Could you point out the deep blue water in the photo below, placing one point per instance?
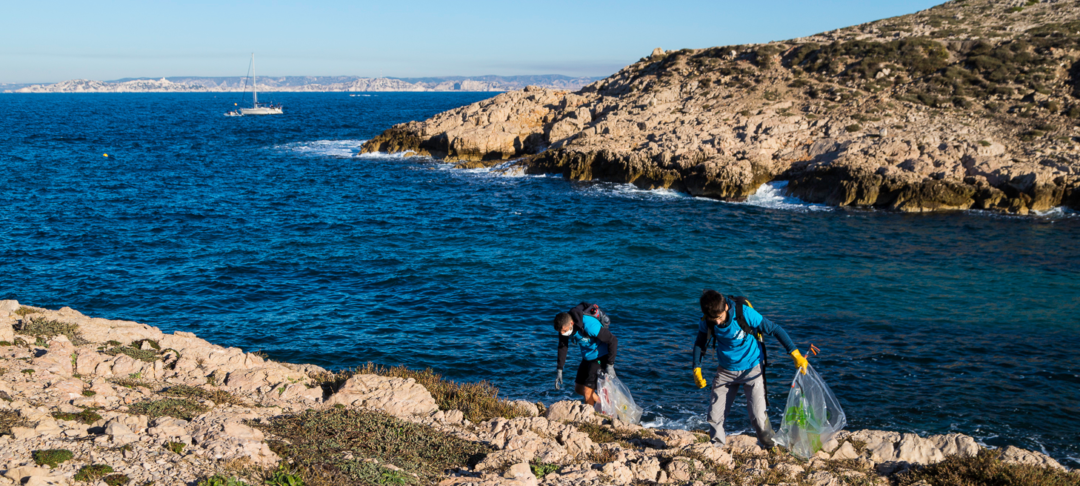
(265, 233)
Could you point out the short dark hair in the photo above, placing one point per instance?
(712, 303)
(561, 320)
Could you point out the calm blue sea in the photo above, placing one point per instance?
(269, 234)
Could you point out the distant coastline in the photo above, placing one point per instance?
(189, 84)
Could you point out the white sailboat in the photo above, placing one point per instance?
(256, 107)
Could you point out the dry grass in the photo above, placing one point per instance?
(353, 447)
(48, 328)
(24, 310)
(220, 397)
(9, 419)
(985, 470)
(478, 401)
(171, 407)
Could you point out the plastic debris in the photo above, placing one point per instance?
(616, 401)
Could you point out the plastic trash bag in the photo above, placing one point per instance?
(615, 399)
(812, 415)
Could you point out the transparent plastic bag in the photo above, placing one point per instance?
(812, 415)
(615, 399)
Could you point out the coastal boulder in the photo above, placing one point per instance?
(1016, 455)
(402, 397)
(572, 411)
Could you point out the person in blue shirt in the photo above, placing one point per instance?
(741, 356)
(598, 348)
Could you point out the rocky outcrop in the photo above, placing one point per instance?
(968, 105)
(172, 408)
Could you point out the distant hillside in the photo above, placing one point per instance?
(303, 83)
(969, 104)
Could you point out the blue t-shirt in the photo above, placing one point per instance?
(736, 350)
(590, 347)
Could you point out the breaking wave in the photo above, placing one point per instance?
(323, 148)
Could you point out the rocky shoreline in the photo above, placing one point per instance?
(96, 401)
(967, 105)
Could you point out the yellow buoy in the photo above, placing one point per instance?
(104, 155)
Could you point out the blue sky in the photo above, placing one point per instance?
(53, 41)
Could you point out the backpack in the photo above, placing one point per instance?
(587, 309)
(755, 334)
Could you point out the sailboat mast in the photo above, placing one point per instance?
(254, 88)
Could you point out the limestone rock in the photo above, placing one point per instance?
(8, 307)
(572, 411)
(1016, 455)
(846, 451)
(397, 396)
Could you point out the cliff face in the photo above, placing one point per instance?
(970, 104)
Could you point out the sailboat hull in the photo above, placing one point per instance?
(261, 110)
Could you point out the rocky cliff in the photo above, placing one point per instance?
(98, 401)
(970, 104)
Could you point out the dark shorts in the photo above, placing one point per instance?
(588, 371)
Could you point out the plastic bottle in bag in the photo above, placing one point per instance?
(615, 399)
(812, 415)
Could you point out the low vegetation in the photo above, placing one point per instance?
(219, 480)
(477, 401)
(116, 479)
(358, 447)
(9, 419)
(48, 328)
(985, 470)
(169, 407)
(87, 416)
(51, 457)
(603, 434)
(93, 472)
(220, 397)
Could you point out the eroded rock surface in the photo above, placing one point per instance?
(964, 105)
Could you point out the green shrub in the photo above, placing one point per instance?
(985, 143)
(219, 480)
(170, 407)
(853, 128)
(282, 477)
(985, 469)
(92, 472)
(88, 393)
(175, 447)
(46, 329)
(87, 416)
(51, 457)
(332, 446)
(116, 480)
(540, 469)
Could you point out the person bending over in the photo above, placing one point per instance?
(736, 331)
(598, 348)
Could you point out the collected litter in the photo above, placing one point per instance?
(812, 415)
(616, 401)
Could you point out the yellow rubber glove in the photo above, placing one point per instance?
(800, 362)
(701, 383)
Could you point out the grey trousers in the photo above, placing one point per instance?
(724, 390)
